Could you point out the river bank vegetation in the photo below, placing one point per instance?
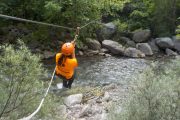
(155, 94)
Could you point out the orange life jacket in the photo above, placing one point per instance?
(67, 69)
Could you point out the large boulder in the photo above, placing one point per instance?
(165, 42)
(141, 35)
(113, 46)
(93, 44)
(170, 52)
(106, 32)
(153, 46)
(91, 52)
(73, 100)
(133, 52)
(145, 48)
(128, 42)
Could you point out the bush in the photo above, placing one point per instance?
(21, 85)
(156, 96)
(164, 24)
(121, 26)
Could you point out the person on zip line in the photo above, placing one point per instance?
(66, 62)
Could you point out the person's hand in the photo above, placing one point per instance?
(73, 42)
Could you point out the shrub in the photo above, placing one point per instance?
(121, 26)
(156, 96)
(164, 24)
(21, 85)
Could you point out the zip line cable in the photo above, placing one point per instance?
(36, 22)
(47, 24)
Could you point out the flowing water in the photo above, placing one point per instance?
(101, 70)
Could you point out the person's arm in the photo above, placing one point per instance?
(73, 55)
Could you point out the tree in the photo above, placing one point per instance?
(164, 18)
(20, 77)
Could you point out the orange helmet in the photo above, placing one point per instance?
(67, 48)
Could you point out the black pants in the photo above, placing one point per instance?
(67, 82)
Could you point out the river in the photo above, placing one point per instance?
(99, 70)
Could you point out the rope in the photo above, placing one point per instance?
(94, 21)
(47, 24)
(40, 105)
(36, 22)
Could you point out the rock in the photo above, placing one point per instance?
(81, 53)
(48, 54)
(104, 50)
(106, 32)
(131, 43)
(133, 52)
(93, 44)
(73, 99)
(62, 109)
(91, 102)
(84, 47)
(110, 87)
(106, 97)
(113, 46)
(85, 111)
(145, 48)
(128, 42)
(82, 119)
(165, 42)
(124, 39)
(92, 52)
(142, 36)
(102, 54)
(153, 46)
(170, 52)
(97, 109)
(107, 55)
(104, 116)
(177, 45)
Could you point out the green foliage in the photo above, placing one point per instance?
(156, 96)
(71, 12)
(31, 9)
(110, 7)
(178, 36)
(141, 15)
(21, 85)
(121, 26)
(51, 10)
(136, 14)
(164, 18)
